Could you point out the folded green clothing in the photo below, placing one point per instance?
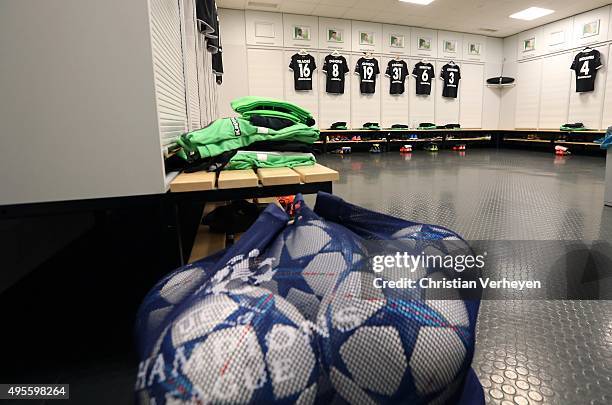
(228, 134)
(573, 129)
(253, 159)
(271, 113)
(250, 103)
(424, 128)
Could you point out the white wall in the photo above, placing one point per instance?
(507, 110)
(235, 72)
(545, 96)
(78, 104)
(492, 97)
(258, 46)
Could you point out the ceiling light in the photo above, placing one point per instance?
(531, 13)
(421, 2)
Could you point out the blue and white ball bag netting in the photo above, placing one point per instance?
(288, 315)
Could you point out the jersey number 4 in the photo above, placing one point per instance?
(585, 68)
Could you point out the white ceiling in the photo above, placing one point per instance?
(469, 16)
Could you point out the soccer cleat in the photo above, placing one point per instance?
(406, 149)
(562, 151)
(432, 147)
(375, 148)
(459, 147)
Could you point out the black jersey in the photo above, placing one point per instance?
(586, 65)
(423, 73)
(335, 68)
(451, 74)
(303, 67)
(367, 69)
(397, 71)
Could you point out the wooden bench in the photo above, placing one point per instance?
(236, 179)
(241, 184)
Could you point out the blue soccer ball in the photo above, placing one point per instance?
(306, 260)
(378, 346)
(167, 293)
(242, 346)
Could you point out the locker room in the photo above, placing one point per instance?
(306, 202)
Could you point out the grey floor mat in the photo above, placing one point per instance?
(528, 352)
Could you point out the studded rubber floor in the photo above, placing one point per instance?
(527, 352)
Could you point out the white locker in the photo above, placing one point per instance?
(364, 107)
(308, 99)
(607, 112)
(267, 69)
(447, 109)
(334, 107)
(166, 42)
(528, 94)
(111, 100)
(471, 95)
(190, 45)
(554, 98)
(422, 108)
(394, 106)
(588, 107)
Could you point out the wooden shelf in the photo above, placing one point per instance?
(235, 179)
(527, 140)
(577, 143)
(198, 181)
(518, 130)
(481, 138)
(362, 141)
(277, 176)
(555, 131)
(316, 173)
(415, 140)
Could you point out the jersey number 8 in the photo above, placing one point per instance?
(335, 70)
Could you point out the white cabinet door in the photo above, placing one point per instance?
(528, 94)
(471, 93)
(168, 68)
